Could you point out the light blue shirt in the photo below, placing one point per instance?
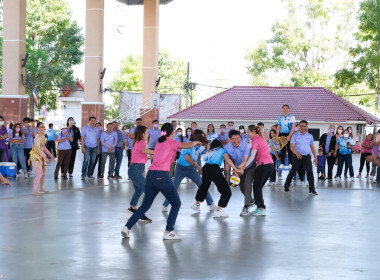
(343, 145)
(302, 142)
(65, 145)
(120, 139)
(215, 156)
(245, 138)
(28, 142)
(91, 136)
(108, 140)
(211, 137)
(328, 141)
(192, 152)
(154, 134)
(222, 137)
(286, 123)
(237, 154)
(51, 133)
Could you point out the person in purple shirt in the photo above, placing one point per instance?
(29, 132)
(138, 122)
(65, 137)
(16, 138)
(3, 136)
(90, 147)
(108, 139)
(154, 134)
(120, 146)
(223, 136)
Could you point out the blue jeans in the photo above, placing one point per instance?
(347, 160)
(135, 173)
(158, 181)
(89, 161)
(119, 159)
(182, 172)
(17, 152)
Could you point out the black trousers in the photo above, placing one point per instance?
(129, 155)
(362, 160)
(98, 160)
(330, 165)
(306, 164)
(273, 175)
(51, 148)
(285, 149)
(212, 173)
(27, 155)
(262, 175)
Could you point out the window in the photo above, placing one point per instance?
(316, 132)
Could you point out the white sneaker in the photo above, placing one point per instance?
(272, 183)
(196, 207)
(359, 176)
(280, 177)
(164, 209)
(337, 178)
(220, 214)
(281, 166)
(26, 175)
(125, 232)
(307, 183)
(352, 179)
(213, 207)
(245, 211)
(171, 236)
(290, 166)
(372, 177)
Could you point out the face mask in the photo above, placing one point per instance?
(1, 122)
(17, 129)
(126, 130)
(346, 135)
(72, 122)
(231, 127)
(349, 130)
(222, 130)
(340, 131)
(179, 133)
(155, 125)
(193, 128)
(241, 130)
(188, 133)
(331, 130)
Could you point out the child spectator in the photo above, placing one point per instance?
(357, 148)
(321, 163)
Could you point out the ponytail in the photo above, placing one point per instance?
(256, 129)
(166, 130)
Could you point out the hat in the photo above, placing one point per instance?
(241, 127)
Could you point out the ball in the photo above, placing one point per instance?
(234, 181)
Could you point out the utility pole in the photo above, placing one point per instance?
(187, 84)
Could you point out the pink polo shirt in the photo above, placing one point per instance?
(164, 155)
(263, 155)
(137, 155)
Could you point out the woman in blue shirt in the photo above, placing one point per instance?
(211, 135)
(345, 145)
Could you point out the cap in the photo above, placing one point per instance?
(241, 127)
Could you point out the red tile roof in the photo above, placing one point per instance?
(265, 103)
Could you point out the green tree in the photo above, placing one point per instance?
(303, 46)
(365, 64)
(171, 70)
(54, 43)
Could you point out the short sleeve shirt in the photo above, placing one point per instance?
(286, 123)
(3, 131)
(109, 139)
(215, 156)
(237, 154)
(65, 145)
(28, 142)
(120, 139)
(91, 136)
(342, 143)
(192, 152)
(302, 142)
(137, 155)
(51, 133)
(164, 154)
(262, 150)
(16, 137)
(154, 134)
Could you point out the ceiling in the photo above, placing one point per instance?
(141, 2)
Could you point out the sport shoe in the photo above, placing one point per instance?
(118, 177)
(290, 166)
(345, 176)
(111, 177)
(83, 178)
(272, 183)
(244, 211)
(91, 177)
(220, 214)
(70, 175)
(101, 177)
(196, 207)
(352, 179)
(259, 212)
(144, 218)
(252, 204)
(286, 189)
(171, 236)
(164, 209)
(367, 176)
(26, 175)
(131, 210)
(313, 192)
(337, 178)
(125, 232)
(280, 177)
(213, 207)
(359, 176)
(281, 166)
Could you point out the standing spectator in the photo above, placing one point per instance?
(265, 135)
(211, 135)
(118, 149)
(321, 164)
(39, 159)
(194, 126)
(286, 125)
(108, 140)
(182, 139)
(345, 145)
(223, 136)
(302, 143)
(327, 143)
(51, 136)
(9, 131)
(65, 137)
(29, 134)
(90, 147)
(189, 132)
(16, 138)
(3, 137)
(75, 134)
(366, 151)
(98, 159)
(375, 151)
(154, 134)
(174, 124)
(128, 143)
(231, 126)
(243, 135)
(275, 157)
(357, 148)
(138, 122)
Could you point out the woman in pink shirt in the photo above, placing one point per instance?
(259, 152)
(136, 169)
(158, 180)
(367, 146)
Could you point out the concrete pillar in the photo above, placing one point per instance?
(13, 101)
(93, 89)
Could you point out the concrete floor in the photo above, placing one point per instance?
(74, 233)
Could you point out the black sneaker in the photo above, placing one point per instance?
(145, 219)
(64, 177)
(100, 177)
(131, 210)
(286, 189)
(55, 177)
(118, 177)
(111, 177)
(313, 192)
